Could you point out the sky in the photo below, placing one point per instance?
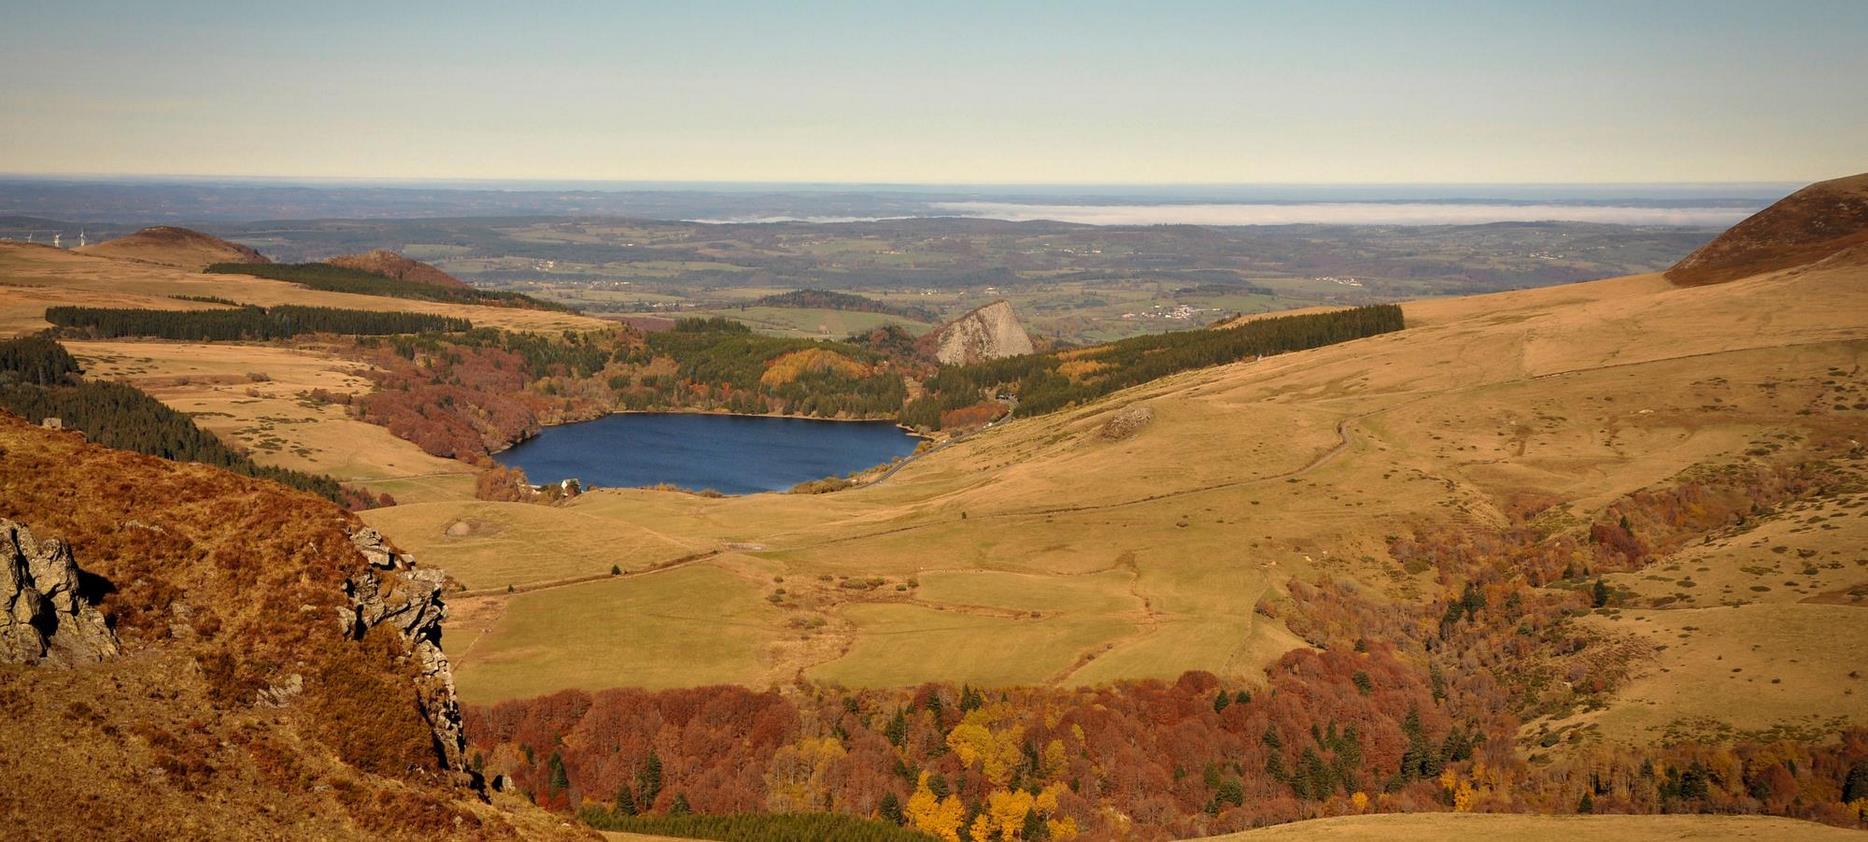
(940, 93)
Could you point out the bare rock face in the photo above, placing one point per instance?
(987, 333)
(393, 591)
(43, 616)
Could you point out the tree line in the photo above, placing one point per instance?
(754, 827)
(1048, 382)
(823, 299)
(242, 323)
(329, 278)
(39, 379)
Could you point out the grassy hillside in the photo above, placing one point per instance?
(1437, 826)
(346, 279)
(33, 278)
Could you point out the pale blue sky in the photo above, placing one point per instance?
(940, 93)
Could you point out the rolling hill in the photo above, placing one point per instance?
(1810, 225)
(392, 265)
(181, 248)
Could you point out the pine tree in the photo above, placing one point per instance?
(890, 808)
(649, 780)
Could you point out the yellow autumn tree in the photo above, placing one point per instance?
(937, 817)
(977, 740)
(795, 777)
(1054, 760)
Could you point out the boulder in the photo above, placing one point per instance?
(1127, 422)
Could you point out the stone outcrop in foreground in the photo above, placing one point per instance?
(44, 617)
(392, 590)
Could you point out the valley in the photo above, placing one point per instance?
(1214, 529)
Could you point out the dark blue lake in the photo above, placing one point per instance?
(732, 454)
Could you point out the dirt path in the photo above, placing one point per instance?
(661, 567)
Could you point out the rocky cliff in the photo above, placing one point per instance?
(44, 615)
(390, 591)
(280, 671)
(987, 333)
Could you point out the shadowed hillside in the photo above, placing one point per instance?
(1809, 225)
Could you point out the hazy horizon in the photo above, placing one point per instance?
(1185, 93)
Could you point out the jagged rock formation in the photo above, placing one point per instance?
(182, 248)
(44, 618)
(391, 590)
(1817, 222)
(987, 333)
(244, 704)
(389, 264)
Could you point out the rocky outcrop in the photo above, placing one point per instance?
(392, 591)
(987, 333)
(1127, 422)
(44, 616)
(389, 264)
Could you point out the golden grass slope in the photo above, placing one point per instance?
(1039, 553)
(257, 397)
(33, 278)
(181, 248)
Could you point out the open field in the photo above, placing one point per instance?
(254, 396)
(1437, 826)
(1085, 560)
(37, 277)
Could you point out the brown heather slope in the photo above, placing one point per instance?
(392, 265)
(182, 248)
(239, 707)
(1809, 225)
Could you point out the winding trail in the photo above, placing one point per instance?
(531, 587)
